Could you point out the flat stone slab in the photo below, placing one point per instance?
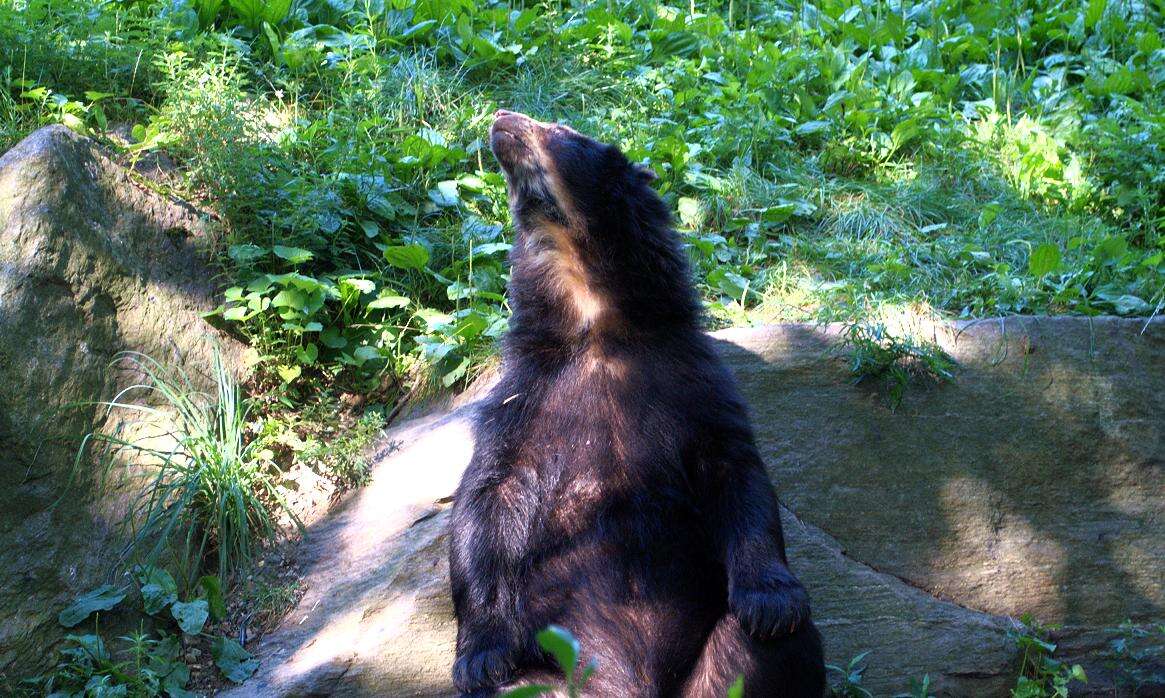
(1033, 483)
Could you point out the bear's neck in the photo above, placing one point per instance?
(561, 306)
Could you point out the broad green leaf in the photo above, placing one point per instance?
(388, 301)
(92, 645)
(102, 598)
(207, 11)
(779, 213)
(490, 248)
(274, 11)
(333, 339)
(361, 285)
(407, 256)
(371, 228)
(1130, 305)
(233, 661)
(273, 41)
(418, 29)
(236, 313)
(989, 213)
(191, 615)
(211, 588)
(157, 586)
(727, 282)
(307, 354)
(290, 298)
(366, 353)
(446, 193)
(904, 131)
(1044, 259)
(810, 127)
(455, 374)
(1112, 249)
(295, 255)
(246, 253)
(250, 11)
(1094, 12)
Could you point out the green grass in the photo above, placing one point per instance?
(210, 498)
(879, 355)
(826, 160)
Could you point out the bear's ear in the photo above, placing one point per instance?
(645, 173)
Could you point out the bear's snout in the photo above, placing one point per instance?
(511, 138)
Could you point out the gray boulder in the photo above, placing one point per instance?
(90, 265)
(1033, 483)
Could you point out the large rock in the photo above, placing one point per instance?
(1031, 484)
(1034, 484)
(90, 265)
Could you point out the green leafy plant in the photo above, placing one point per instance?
(1041, 675)
(143, 664)
(919, 688)
(850, 685)
(1135, 655)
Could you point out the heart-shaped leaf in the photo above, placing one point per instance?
(191, 616)
(1044, 259)
(158, 588)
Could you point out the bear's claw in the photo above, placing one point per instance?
(771, 610)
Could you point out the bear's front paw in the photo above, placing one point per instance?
(771, 609)
(487, 667)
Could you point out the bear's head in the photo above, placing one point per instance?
(594, 252)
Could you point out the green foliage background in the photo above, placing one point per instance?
(824, 158)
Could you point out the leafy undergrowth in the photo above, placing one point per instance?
(823, 158)
(226, 483)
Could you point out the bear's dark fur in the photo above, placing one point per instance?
(615, 488)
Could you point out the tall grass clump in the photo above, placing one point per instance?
(210, 500)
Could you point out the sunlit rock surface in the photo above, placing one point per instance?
(1033, 483)
(90, 265)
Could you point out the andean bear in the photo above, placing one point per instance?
(615, 488)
